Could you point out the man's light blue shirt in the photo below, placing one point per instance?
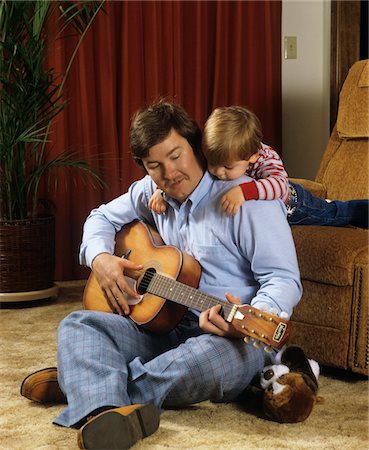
(250, 255)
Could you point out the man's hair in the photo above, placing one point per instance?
(231, 133)
(151, 125)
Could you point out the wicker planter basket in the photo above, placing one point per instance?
(27, 259)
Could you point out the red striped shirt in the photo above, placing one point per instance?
(270, 177)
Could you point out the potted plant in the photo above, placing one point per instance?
(31, 97)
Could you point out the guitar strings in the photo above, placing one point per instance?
(178, 292)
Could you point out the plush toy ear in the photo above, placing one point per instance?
(294, 357)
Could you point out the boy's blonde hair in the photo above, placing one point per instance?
(231, 133)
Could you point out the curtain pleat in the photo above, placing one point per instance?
(203, 54)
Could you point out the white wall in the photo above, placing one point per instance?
(305, 86)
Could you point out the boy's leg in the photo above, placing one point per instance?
(359, 212)
(311, 210)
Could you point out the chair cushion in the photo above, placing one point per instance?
(329, 254)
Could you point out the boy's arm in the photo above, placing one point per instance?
(270, 182)
(157, 203)
(232, 200)
(250, 190)
(269, 188)
(270, 178)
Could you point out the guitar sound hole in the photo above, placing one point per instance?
(145, 281)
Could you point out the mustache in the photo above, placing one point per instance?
(174, 181)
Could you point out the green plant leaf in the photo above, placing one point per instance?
(31, 98)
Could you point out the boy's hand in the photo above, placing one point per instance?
(157, 203)
(232, 200)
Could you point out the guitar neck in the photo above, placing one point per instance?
(182, 294)
(249, 321)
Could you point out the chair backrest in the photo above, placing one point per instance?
(344, 166)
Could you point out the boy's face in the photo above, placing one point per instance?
(233, 170)
(173, 166)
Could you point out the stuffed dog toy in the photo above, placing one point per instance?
(290, 386)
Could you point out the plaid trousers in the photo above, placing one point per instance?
(105, 359)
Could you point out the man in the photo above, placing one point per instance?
(120, 376)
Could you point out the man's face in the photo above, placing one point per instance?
(173, 166)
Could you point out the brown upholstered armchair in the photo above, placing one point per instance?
(331, 321)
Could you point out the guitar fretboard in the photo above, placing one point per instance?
(178, 292)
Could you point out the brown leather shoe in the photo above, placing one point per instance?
(42, 387)
(119, 428)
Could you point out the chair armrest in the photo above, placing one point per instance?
(315, 188)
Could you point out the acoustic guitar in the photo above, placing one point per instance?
(168, 286)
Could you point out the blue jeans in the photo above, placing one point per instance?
(306, 209)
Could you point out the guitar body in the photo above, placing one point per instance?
(168, 284)
(146, 247)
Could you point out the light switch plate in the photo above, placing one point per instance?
(290, 47)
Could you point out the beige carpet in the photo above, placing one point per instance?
(28, 343)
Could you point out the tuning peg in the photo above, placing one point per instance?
(257, 344)
(268, 349)
(247, 339)
(283, 315)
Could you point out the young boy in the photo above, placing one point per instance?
(232, 145)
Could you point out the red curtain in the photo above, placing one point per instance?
(203, 54)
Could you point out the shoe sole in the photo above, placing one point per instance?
(112, 430)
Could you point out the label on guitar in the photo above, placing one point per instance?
(279, 332)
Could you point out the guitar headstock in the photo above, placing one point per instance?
(254, 324)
